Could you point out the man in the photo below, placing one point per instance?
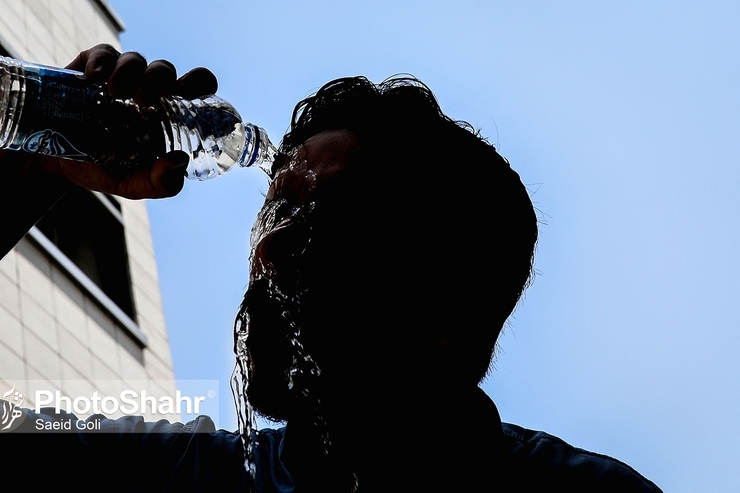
(392, 247)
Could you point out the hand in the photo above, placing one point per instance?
(126, 76)
(32, 183)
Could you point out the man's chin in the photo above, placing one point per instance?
(270, 400)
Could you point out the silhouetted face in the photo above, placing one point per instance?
(274, 300)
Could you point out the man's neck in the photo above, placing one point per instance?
(441, 437)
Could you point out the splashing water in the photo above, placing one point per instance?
(239, 385)
(303, 371)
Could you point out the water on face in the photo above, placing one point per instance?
(303, 371)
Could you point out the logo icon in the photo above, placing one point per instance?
(10, 412)
(51, 143)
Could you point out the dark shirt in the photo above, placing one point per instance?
(129, 454)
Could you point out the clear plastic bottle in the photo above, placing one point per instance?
(58, 112)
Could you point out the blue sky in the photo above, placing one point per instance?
(623, 120)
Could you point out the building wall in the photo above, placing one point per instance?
(54, 31)
(56, 332)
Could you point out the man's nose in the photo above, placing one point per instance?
(294, 185)
(283, 244)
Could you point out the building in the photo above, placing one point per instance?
(80, 307)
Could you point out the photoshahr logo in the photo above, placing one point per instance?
(11, 403)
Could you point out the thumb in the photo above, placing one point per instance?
(168, 173)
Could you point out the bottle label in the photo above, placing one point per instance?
(62, 101)
(64, 114)
(51, 143)
(55, 118)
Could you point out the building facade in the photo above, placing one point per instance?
(80, 307)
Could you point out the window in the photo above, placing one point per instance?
(87, 228)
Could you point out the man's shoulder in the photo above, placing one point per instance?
(540, 459)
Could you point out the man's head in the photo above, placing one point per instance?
(400, 239)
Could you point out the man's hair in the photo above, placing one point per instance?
(430, 235)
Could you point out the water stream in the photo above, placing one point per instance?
(288, 210)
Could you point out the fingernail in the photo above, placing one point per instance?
(179, 159)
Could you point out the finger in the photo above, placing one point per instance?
(167, 175)
(127, 75)
(158, 79)
(164, 178)
(197, 83)
(97, 63)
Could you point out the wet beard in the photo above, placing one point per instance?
(283, 384)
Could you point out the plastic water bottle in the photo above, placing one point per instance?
(58, 112)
